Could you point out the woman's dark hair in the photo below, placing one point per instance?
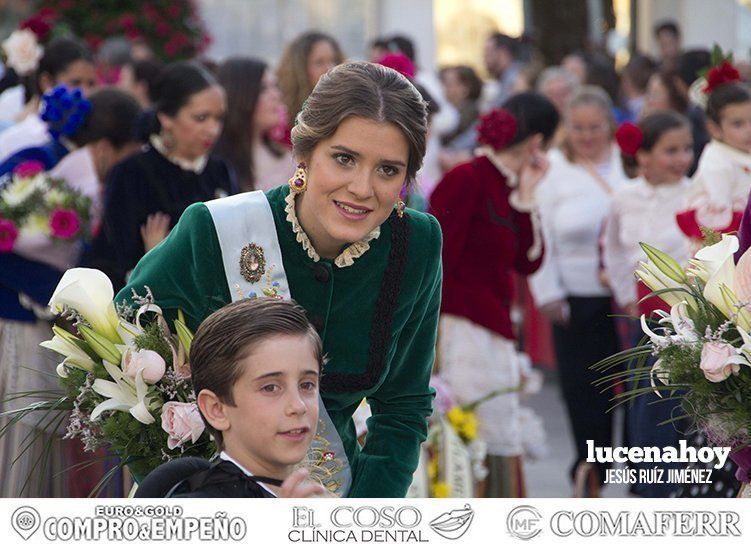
(534, 114)
(677, 98)
(638, 70)
(690, 63)
(114, 115)
(371, 91)
(241, 78)
(723, 96)
(601, 73)
(469, 78)
(58, 55)
(653, 126)
(230, 334)
(175, 85)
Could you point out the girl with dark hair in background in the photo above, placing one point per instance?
(254, 108)
(147, 193)
(485, 208)
(65, 62)
(32, 272)
(660, 150)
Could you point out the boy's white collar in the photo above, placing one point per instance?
(735, 154)
(227, 457)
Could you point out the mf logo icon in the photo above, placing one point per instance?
(524, 522)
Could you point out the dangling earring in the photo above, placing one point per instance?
(400, 205)
(298, 182)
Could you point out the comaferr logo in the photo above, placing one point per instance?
(524, 522)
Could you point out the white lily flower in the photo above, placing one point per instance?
(653, 278)
(128, 333)
(711, 258)
(64, 343)
(657, 340)
(682, 324)
(745, 349)
(124, 394)
(723, 277)
(660, 374)
(90, 293)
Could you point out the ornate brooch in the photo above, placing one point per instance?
(252, 263)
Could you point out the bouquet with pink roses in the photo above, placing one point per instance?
(33, 203)
(125, 376)
(702, 347)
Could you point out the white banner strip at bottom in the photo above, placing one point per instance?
(284, 521)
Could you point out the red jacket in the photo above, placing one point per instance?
(484, 241)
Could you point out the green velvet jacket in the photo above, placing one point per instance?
(391, 369)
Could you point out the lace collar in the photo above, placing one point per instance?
(346, 257)
(511, 177)
(196, 165)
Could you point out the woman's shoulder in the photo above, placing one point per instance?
(424, 233)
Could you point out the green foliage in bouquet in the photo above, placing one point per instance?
(173, 28)
(702, 348)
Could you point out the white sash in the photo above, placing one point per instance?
(245, 219)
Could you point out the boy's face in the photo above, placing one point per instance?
(735, 126)
(276, 406)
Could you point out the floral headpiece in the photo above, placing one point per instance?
(629, 137)
(22, 51)
(720, 75)
(41, 23)
(399, 62)
(64, 111)
(497, 129)
(720, 72)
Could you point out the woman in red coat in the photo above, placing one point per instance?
(490, 230)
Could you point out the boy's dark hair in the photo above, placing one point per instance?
(653, 126)
(505, 41)
(114, 117)
(667, 26)
(724, 96)
(229, 335)
(402, 44)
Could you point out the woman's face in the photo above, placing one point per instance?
(321, 59)
(657, 98)
(588, 131)
(80, 73)
(268, 108)
(456, 92)
(197, 125)
(354, 180)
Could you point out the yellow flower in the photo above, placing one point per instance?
(469, 427)
(433, 468)
(456, 417)
(440, 490)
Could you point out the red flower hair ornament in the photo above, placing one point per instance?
(497, 129)
(720, 75)
(629, 137)
(399, 62)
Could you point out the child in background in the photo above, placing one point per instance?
(660, 148)
(721, 185)
(255, 366)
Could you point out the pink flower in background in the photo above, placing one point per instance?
(8, 235)
(444, 397)
(28, 169)
(399, 62)
(64, 224)
(182, 422)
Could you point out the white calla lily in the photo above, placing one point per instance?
(712, 258)
(124, 394)
(90, 293)
(64, 343)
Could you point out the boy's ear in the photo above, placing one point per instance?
(714, 130)
(213, 409)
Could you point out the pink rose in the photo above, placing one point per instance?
(151, 362)
(28, 169)
(64, 224)
(182, 422)
(8, 235)
(719, 360)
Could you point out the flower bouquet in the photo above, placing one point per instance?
(702, 347)
(34, 204)
(125, 377)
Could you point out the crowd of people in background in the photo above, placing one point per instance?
(568, 208)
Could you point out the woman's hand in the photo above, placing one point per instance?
(298, 486)
(155, 230)
(558, 312)
(532, 172)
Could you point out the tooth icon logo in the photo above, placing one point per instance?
(25, 521)
(453, 524)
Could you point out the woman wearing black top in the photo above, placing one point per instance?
(147, 194)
